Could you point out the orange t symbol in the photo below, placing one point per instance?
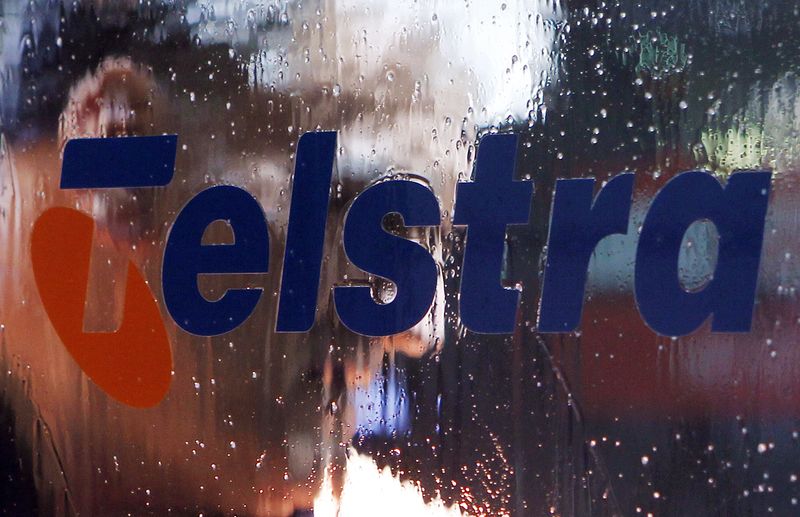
(132, 365)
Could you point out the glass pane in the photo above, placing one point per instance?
(607, 417)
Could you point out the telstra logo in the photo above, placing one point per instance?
(133, 364)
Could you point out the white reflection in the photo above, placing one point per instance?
(370, 491)
(497, 53)
(407, 84)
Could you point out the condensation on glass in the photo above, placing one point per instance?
(610, 420)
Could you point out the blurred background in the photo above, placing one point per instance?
(611, 420)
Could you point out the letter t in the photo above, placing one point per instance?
(492, 201)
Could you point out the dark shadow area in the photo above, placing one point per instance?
(17, 491)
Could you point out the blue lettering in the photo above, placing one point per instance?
(185, 258)
(305, 238)
(577, 225)
(492, 201)
(407, 264)
(738, 211)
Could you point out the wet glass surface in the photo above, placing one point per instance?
(610, 420)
